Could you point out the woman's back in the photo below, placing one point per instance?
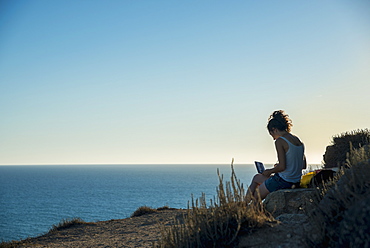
(294, 159)
(293, 139)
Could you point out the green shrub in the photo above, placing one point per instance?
(342, 144)
(342, 217)
(218, 224)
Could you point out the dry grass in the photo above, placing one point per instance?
(67, 223)
(9, 244)
(143, 210)
(148, 210)
(218, 224)
(63, 224)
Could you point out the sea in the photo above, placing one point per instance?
(33, 198)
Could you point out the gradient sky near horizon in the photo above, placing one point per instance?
(161, 82)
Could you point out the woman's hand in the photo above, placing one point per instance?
(267, 172)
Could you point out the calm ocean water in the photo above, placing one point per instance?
(33, 198)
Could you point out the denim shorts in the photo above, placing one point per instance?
(276, 182)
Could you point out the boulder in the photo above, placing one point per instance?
(290, 201)
(331, 157)
(290, 232)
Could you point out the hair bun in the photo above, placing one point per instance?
(278, 113)
(280, 120)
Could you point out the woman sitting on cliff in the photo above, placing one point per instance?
(291, 159)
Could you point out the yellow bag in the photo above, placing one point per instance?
(306, 179)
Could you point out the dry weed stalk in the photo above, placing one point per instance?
(218, 224)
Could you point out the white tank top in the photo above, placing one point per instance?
(294, 163)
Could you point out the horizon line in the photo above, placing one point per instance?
(61, 164)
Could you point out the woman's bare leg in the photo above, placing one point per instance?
(262, 190)
(257, 180)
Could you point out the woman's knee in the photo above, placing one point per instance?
(259, 178)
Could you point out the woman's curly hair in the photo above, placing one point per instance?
(279, 120)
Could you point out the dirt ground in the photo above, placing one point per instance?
(143, 231)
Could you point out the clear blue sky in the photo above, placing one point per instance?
(177, 81)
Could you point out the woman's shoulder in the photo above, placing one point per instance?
(281, 141)
(294, 139)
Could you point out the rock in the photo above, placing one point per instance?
(330, 157)
(292, 218)
(290, 232)
(290, 201)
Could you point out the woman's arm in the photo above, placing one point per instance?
(280, 166)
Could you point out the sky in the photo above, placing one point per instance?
(178, 82)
